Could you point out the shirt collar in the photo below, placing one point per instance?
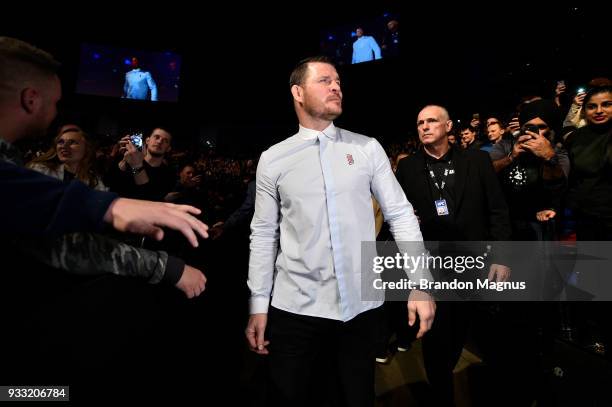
(444, 159)
(310, 134)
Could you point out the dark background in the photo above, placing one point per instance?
(102, 70)
(112, 338)
(237, 60)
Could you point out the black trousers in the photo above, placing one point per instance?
(394, 321)
(442, 347)
(322, 362)
(507, 336)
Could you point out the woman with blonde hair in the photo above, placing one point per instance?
(71, 156)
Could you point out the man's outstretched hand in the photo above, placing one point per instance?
(147, 218)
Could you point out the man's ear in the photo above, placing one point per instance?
(30, 100)
(449, 125)
(298, 93)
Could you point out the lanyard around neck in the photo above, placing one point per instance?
(440, 183)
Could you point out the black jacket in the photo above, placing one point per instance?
(481, 212)
(33, 204)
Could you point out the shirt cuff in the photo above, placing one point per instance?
(259, 305)
(174, 270)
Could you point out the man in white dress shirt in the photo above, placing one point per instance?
(365, 48)
(139, 84)
(313, 195)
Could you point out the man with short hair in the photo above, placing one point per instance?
(142, 173)
(38, 213)
(365, 48)
(495, 130)
(34, 204)
(468, 137)
(457, 197)
(313, 209)
(139, 84)
(29, 113)
(391, 41)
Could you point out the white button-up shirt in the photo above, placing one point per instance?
(365, 49)
(291, 208)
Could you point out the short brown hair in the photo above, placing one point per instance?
(299, 72)
(21, 62)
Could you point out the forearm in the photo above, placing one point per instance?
(557, 168)
(264, 238)
(499, 165)
(573, 116)
(92, 254)
(34, 204)
(399, 214)
(239, 216)
(261, 273)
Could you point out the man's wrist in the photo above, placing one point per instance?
(421, 294)
(108, 215)
(259, 305)
(552, 159)
(136, 170)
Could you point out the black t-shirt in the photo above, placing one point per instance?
(161, 181)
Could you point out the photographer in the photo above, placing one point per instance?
(533, 169)
(142, 173)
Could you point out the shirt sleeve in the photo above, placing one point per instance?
(398, 212)
(375, 48)
(92, 254)
(396, 209)
(264, 238)
(152, 87)
(498, 151)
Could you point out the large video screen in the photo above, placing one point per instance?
(363, 41)
(128, 73)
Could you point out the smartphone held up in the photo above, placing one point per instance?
(136, 139)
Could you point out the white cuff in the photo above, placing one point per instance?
(259, 305)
